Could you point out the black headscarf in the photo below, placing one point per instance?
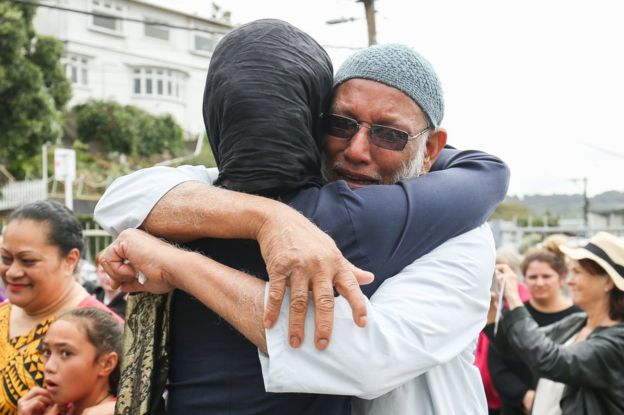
(267, 85)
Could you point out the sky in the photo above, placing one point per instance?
(538, 83)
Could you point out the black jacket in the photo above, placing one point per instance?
(511, 377)
(591, 369)
(118, 304)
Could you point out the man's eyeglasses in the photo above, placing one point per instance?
(385, 137)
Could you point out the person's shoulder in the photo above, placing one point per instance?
(480, 237)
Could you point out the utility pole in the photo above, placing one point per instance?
(585, 207)
(369, 8)
(585, 204)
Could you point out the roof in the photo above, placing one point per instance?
(612, 210)
(194, 14)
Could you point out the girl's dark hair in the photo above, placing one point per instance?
(616, 296)
(104, 332)
(65, 230)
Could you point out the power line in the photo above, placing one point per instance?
(125, 19)
(604, 150)
(149, 23)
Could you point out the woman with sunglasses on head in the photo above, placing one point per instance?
(82, 352)
(41, 247)
(579, 359)
(545, 271)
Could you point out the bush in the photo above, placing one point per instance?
(127, 129)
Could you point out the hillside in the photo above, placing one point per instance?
(568, 206)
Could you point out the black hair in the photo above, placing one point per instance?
(65, 230)
(104, 332)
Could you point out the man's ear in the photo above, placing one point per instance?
(435, 143)
(107, 363)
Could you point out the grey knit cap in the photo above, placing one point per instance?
(400, 67)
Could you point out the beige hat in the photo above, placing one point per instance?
(607, 251)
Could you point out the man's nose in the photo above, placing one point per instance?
(359, 146)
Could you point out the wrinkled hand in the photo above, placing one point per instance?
(37, 402)
(511, 294)
(137, 251)
(299, 254)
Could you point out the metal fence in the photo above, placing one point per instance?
(16, 193)
(96, 239)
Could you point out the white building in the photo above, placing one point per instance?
(111, 54)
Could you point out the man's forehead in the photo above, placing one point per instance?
(358, 95)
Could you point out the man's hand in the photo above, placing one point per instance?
(298, 253)
(137, 251)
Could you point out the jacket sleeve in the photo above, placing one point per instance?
(595, 362)
(417, 215)
(509, 385)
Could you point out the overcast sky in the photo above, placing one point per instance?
(539, 83)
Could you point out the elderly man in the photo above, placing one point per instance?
(406, 334)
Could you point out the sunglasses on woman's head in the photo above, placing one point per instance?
(380, 135)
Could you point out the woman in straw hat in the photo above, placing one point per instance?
(580, 359)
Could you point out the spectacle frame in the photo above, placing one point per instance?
(389, 138)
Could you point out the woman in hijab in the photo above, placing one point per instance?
(578, 359)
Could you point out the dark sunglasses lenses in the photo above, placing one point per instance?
(338, 126)
(388, 138)
(384, 137)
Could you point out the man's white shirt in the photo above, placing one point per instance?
(416, 354)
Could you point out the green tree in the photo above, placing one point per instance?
(33, 88)
(127, 129)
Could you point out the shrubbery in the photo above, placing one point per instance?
(127, 129)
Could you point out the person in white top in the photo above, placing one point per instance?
(416, 351)
(415, 354)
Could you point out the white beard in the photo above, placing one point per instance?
(411, 168)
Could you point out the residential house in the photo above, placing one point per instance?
(115, 50)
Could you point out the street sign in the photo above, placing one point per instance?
(65, 171)
(64, 164)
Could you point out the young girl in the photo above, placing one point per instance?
(82, 351)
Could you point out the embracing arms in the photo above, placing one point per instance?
(435, 207)
(406, 333)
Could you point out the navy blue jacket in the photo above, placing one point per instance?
(215, 370)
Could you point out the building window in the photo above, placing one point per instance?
(107, 15)
(158, 82)
(156, 31)
(77, 69)
(204, 43)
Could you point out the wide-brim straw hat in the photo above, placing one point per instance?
(607, 251)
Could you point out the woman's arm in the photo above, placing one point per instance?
(593, 362)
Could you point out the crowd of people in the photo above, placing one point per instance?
(48, 319)
(232, 271)
(570, 365)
